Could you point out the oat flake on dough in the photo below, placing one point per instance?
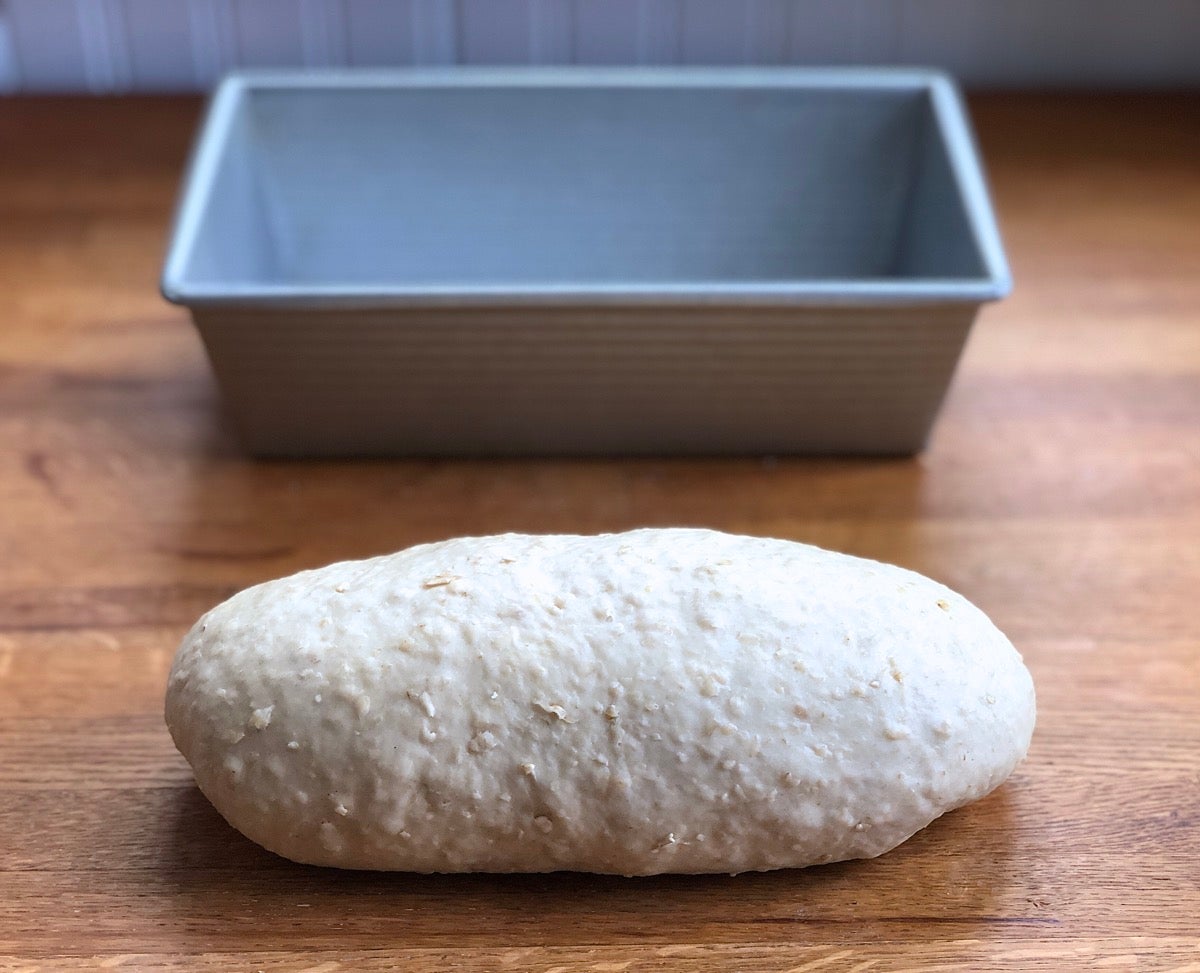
(655, 701)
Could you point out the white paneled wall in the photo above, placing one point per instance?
(164, 45)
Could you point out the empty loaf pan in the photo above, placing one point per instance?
(584, 261)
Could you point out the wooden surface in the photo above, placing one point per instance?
(1061, 493)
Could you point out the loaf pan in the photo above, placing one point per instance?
(584, 261)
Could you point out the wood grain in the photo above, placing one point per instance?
(1061, 492)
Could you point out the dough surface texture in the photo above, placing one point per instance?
(656, 701)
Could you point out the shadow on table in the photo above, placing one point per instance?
(947, 882)
(256, 520)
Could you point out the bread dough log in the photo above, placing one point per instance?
(655, 701)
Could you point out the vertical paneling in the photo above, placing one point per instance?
(1157, 45)
(551, 31)
(269, 33)
(159, 45)
(435, 32)
(48, 39)
(848, 31)
(379, 33)
(767, 31)
(980, 41)
(714, 32)
(494, 31)
(1026, 43)
(821, 32)
(117, 45)
(515, 31)
(876, 29)
(323, 32)
(659, 31)
(105, 51)
(214, 41)
(606, 31)
(10, 74)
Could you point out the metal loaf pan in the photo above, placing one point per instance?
(584, 261)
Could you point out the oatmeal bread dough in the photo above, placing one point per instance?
(655, 701)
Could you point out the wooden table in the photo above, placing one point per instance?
(1061, 492)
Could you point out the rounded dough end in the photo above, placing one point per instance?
(655, 701)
